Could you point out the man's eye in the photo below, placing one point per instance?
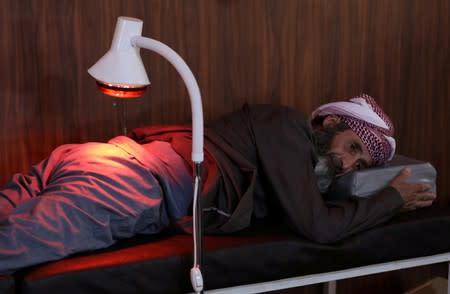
(355, 146)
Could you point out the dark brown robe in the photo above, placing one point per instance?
(263, 157)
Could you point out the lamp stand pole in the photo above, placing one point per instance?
(197, 144)
(121, 73)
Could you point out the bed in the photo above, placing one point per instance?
(261, 258)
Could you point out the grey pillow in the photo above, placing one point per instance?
(366, 182)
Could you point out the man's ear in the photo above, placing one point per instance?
(330, 121)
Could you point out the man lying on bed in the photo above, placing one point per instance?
(87, 196)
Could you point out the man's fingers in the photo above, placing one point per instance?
(422, 204)
(422, 187)
(423, 200)
(414, 195)
(427, 196)
(419, 200)
(402, 175)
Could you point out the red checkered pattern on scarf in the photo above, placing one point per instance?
(388, 132)
(371, 135)
(377, 145)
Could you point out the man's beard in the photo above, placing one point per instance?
(328, 165)
(326, 170)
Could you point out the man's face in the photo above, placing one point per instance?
(340, 151)
(349, 152)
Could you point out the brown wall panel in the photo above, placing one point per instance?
(299, 53)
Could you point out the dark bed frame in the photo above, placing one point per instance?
(262, 258)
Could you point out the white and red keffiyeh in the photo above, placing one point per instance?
(363, 115)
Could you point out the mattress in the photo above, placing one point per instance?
(264, 252)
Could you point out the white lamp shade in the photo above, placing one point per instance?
(121, 67)
(122, 64)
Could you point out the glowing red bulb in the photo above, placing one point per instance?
(122, 91)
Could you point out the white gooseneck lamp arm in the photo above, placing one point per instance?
(121, 73)
(191, 85)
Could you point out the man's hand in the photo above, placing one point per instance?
(415, 195)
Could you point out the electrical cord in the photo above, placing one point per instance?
(195, 273)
